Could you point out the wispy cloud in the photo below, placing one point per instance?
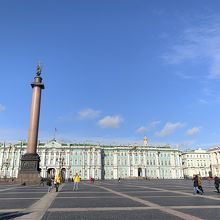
(202, 101)
(110, 121)
(148, 127)
(142, 130)
(169, 128)
(211, 95)
(198, 44)
(2, 108)
(183, 75)
(193, 131)
(88, 113)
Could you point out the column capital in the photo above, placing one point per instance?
(37, 82)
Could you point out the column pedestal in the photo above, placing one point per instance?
(30, 171)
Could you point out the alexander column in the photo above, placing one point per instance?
(30, 172)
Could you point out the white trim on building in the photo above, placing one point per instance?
(99, 162)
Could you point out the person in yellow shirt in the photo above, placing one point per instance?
(76, 180)
(57, 182)
(200, 183)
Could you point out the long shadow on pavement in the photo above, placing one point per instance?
(11, 215)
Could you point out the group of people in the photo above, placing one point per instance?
(91, 180)
(197, 184)
(55, 182)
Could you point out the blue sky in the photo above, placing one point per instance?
(114, 71)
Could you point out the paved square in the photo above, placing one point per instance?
(130, 199)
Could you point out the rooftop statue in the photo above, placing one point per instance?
(39, 69)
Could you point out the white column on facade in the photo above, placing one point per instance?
(177, 159)
(42, 158)
(217, 157)
(49, 157)
(218, 163)
(18, 159)
(9, 165)
(2, 156)
(129, 165)
(46, 157)
(1, 159)
(88, 171)
(173, 168)
(45, 172)
(93, 163)
(99, 165)
(139, 158)
(13, 162)
(145, 159)
(213, 162)
(172, 160)
(133, 164)
(115, 165)
(147, 166)
(133, 159)
(88, 164)
(99, 158)
(68, 158)
(177, 165)
(83, 164)
(158, 171)
(180, 166)
(52, 156)
(143, 172)
(59, 161)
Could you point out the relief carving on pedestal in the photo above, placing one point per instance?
(28, 165)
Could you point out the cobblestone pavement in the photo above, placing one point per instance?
(110, 200)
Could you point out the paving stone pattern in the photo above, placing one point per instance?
(110, 200)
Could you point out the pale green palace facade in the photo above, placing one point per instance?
(97, 161)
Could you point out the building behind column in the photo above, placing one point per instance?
(96, 161)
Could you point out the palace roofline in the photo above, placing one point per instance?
(58, 144)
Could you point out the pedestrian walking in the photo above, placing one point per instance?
(209, 179)
(57, 182)
(200, 183)
(216, 183)
(42, 181)
(49, 184)
(195, 185)
(119, 180)
(76, 180)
